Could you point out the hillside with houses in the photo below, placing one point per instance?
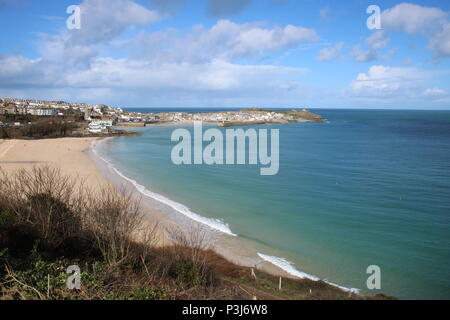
(87, 119)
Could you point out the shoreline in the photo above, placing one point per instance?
(78, 158)
(166, 216)
(226, 243)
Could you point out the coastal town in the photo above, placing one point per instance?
(100, 118)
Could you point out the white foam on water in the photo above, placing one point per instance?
(286, 266)
(352, 290)
(290, 269)
(214, 224)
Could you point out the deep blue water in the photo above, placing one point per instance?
(367, 188)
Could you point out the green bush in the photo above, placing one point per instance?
(139, 293)
(187, 273)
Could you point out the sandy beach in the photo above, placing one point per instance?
(69, 156)
(76, 158)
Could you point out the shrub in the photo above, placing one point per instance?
(47, 201)
(189, 257)
(112, 219)
(63, 214)
(187, 273)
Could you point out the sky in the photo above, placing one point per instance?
(228, 53)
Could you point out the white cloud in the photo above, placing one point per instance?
(377, 41)
(405, 87)
(225, 40)
(198, 65)
(331, 53)
(139, 82)
(360, 55)
(384, 82)
(102, 20)
(248, 40)
(432, 23)
(412, 18)
(17, 71)
(434, 92)
(440, 42)
(215, 75)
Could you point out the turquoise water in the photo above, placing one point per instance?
(367, 188)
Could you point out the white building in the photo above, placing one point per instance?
(43, 112)
(95, 128)
(99, 125)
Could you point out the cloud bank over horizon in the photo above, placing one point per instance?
(133, 53)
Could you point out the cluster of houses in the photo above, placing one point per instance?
(52, 108)
(231, 116)
(100, 117)
(24, 110)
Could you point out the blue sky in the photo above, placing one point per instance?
(228, 53)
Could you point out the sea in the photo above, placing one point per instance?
(364, 188)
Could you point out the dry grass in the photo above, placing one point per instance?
(112, 218)
(44, 200)
(59, 209)
(49, 221)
